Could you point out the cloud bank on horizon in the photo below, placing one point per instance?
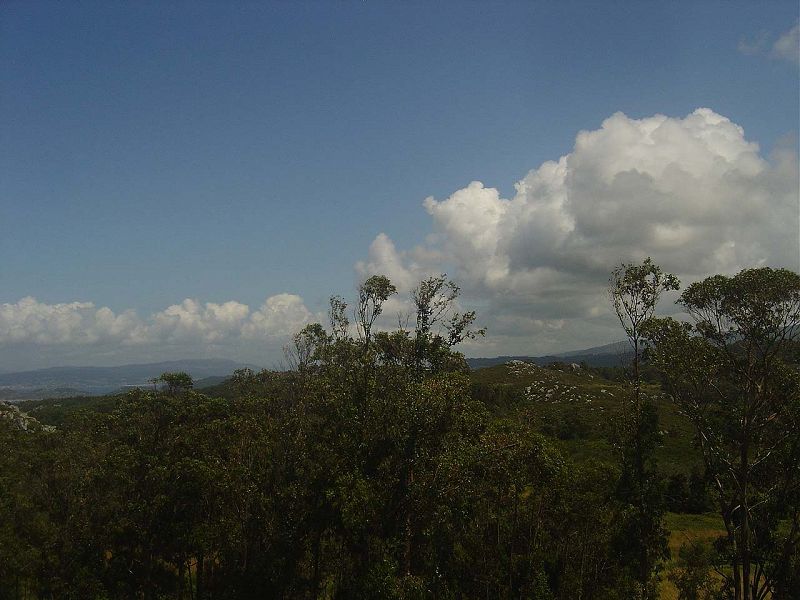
(82, 331)
(693, 193)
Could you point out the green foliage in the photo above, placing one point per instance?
(55, 412)
(371, 296)
(549, 401)
(635, 291)
(687, 494)
(175, 383)
(376, 467)
(734, 374)
(694, 576)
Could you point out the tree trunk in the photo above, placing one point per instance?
(181, 577)
(408, 528)
(316, 576)
(199, 577)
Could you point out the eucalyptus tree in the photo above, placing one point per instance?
(438, 325)
(635, 290)
(386, 405)
(734, 372)
(175, 382)
(372, 294)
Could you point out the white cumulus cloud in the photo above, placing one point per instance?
(280, 315)
(693, 193)
(31, 322)
(404, 268)
(191, 320)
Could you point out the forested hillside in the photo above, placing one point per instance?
(379, 466)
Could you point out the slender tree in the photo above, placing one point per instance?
(376, 290)
(635, 290)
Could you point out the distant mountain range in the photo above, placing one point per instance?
(59, 382)
(72, 381)
(609, 355)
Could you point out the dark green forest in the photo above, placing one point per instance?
(379, 466)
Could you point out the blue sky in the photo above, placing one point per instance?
(154, 152)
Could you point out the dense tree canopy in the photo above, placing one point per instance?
(375, 468)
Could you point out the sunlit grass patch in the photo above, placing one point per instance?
(685, 529)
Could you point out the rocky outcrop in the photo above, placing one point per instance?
(11, 415)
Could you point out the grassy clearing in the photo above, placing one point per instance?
(686, 529)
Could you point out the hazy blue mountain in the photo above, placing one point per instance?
(616, 348)
(71, 381)
(608, 355)
(102, 380)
